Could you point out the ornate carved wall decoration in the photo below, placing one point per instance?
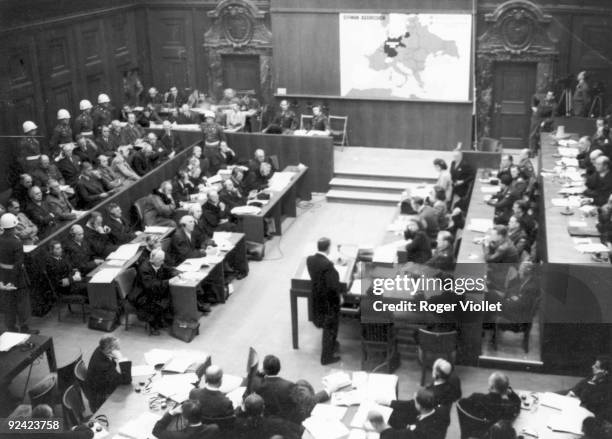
(238, 27)
(517, 31)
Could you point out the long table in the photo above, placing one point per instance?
(281, 204)
(577, 306)
(18, 358)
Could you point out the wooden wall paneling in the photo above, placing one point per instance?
(371, 5)
(56, 52)
(172, 47)
(201, 22)
(123, 52)
(93, 66)
(143, 58)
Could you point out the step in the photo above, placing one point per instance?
(376, 175)
(364, 197)
(368, 184)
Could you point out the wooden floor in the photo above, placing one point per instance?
(257, 315)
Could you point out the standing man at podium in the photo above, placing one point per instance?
(581, 99)
(326, 299)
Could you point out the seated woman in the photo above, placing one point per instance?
(418, 248)
(103, 376)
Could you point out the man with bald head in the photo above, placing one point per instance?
(171, 141)
(184, 243)
(39, 211)
(215, 215)
(152, 300)
(69, 164)
(500, 403)
(79, 251)
(214, 404)
(599, 186)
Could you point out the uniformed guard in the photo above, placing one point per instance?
(319, 122)
(102, 114)
(83, 124)
(212, 137)
(13, 279)
(284, 122)
(543, 111)
(29, 148)
(62, 133)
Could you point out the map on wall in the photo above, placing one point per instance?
(405, 56)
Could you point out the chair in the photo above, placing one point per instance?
(125, 283)
(164, 244)
(65, 374)
(275, 162)
(66, 299)
(337, 126)
(434, 345)
(379, 338)
(488, 144)
(507, 323)
(44, 392)
(73, 405)
(136, 212)
(470, 425)
(305, 118)
(80, 374)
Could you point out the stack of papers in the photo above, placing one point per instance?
(573, 190)
(144, 370)
(124, 252)
(158, 356)
(175, 387)
(352, 397)
(337, 380)
(140, 427)
(490, 189)
(246, 210)
(566, 202)
(594, 247)
(481, 225)
(8, 340)
(361, 417)
(280, 180)
(569, 161)
(105, 275)
(328, 411)
(193, 264)
(321, 428)
(178, 364)
(156, 230)
(567, 152)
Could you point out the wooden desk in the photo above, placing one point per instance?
(184, 291)
(281, 204)
(301, 287)
(16, 360)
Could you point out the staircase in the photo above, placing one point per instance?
(368, 188)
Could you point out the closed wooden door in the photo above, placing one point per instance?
(514, 86)
(241, 72)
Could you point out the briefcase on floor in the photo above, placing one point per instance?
(103, 320)
(185, 330)
(255, 251)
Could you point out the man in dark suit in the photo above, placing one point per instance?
(254, 424)
(120, 230)
(427, 215)
(500, 403)
(418, 248)
(39, 211)
(214, 215)
(69, 165)
(98, 235)
(215, 407)
(152, 298)
(462, 175)
(231, 196)
(190, 411)
(102, 375)
(65, 279)
(79, 251)
(600, 186)
(275, 391)
(170, 140)
(326, 298)
(184, 243)
(106, 144)
(499, 254)
(595, 391)
(443, 257)
(90, 188)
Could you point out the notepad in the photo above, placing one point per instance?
(321, 428)
(337, 380)
(328, 411)
(156, 230)
(105, 275)
(124, 252)
(481, 225)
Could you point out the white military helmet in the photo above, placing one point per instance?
(28, 126)
(208, 114)
(85, 105)
(103, 98)
(63, 114)
(8, 221)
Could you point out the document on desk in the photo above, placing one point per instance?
(559, 402)
(124, 252)
(178, 364)
(337, 380)
(158, 356)
(593, 247)
(573, 190)
(381, 387)
(230, 383)
(157, 230)
(567, 152)
(105, 276)
(193, 264)
(361, 417)
(328, 411)
(321, 428)
(175, 386)
(141, 426)
(280, 180)
(481, 225)
(8, 340)
(489, 189)
(569, 420)
(143, 370)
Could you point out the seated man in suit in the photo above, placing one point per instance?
(153, 299)
(65, 279)
(21, 189)
(231, 196)
(26, 230)
(427, 215)
(58, 202)
(169, 139)
(443, 256)
(184, 243)
(428, 421)
(215, 215)
(98, 235)
(503, 200)
(90, 188)
(120, 164)
(131, 132)
(105, 142)
(600, 186)
(499, 254)
(110, 178)
(120, 231)
(79, 251)
(260, 157)
(158, 209)
(44, 171)
(499, 403)
(284, 122)
(69, 165)
(39, 211)
(595, 391)
(189, 410)
(107, 369)
(215, 407)
(143, 160)
(446, 389)
(86, 149)
(275, 391)
(255, 424)
(418, 248)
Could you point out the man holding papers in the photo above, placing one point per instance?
(153, 299)
(326, 298)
